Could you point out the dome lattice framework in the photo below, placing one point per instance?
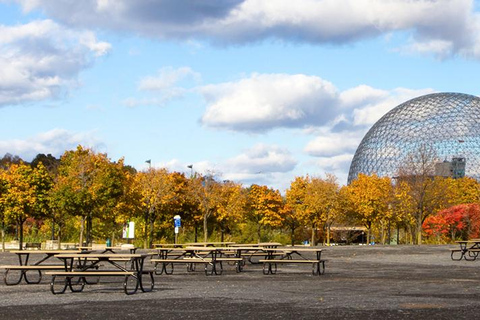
(447, 122)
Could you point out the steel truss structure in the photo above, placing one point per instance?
(449, 123)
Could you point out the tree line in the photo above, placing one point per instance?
(84, 197)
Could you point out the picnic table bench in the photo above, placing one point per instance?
(75, 276)
(211, 257)
(10, 277)
(468, 250)
(287, 254)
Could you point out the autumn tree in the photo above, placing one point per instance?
(26, 194)
(457, 222)
(205, 192)
(321, 202)
(163, 196)
(3, 194)
(264, 207)
(295, 205)
(88, 185)
(418, 172)
(369, 197)
(231, 202)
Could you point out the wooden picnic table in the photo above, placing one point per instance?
(132, 249)
(468, 250)
(168, 245)
(292, 255)
(209, 244)
(25, 265)
(87, 265)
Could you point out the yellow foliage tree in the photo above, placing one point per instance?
(265, 207)
(370, 197)
(231, 203)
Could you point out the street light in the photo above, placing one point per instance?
(191, 169)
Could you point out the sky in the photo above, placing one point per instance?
(254, 91)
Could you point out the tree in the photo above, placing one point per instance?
(425, 191)
(89, 185)
(163, 196)
(205, 192)
(321, 198)
(460, 221)
(26, 195)
(295, 204)
(3, 194)
(264, 205)
(230, 205)
(369, 197)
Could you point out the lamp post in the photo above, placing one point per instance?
(191, 169)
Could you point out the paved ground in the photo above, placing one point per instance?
(374, 282)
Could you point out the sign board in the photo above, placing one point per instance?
(177, 222)
(129, 230)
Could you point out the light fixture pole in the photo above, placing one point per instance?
(191, 170)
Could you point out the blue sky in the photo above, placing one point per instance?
(255, 91)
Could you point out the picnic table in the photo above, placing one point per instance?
(11, 277)
(87, 265)
(468, 250)
(292, 255)
(211, 257)
(130, 248)
(209, 244)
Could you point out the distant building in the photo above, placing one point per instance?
(451, 169)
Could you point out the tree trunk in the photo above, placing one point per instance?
(145, 228)
(20, 242)
(196, 232)
(259, 233)
(328, 234)
(59, 246)
(3, 235)
(313, 235)
(88, 237)
(150, 238)
(205, 228)
(419, 232)
(292, 234)
(82, 228)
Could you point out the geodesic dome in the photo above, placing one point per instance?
(447, 122)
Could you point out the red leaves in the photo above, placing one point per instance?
(460, 221)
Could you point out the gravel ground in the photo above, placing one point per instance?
(361, 282)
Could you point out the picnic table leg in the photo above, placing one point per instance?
(127, 283)
(452, 255)
(52, 286)
(76, 286)
(7, 282)
(269, 268)
(239, 266)
(32, 281)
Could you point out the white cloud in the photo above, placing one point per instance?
(265, 101)
(168, 78)
(445, 28)
(263, 159)
(55, 142)
(41, 60)
(332, 144)
(368, 113)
